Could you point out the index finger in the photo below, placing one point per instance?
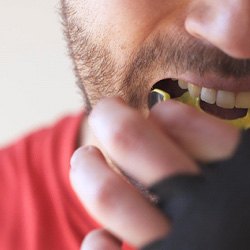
(136, 145)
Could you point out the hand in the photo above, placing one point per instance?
(169, 142)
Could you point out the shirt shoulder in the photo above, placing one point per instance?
(43, 148)
(38, 200)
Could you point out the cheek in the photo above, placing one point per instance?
(124, 23)
(134, 19)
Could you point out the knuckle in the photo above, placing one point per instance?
(125, 133)
(106, 194)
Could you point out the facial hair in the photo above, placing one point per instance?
(99, 76)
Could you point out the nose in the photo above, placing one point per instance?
(222, 23)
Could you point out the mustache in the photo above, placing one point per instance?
(181, 53)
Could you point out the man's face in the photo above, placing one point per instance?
(124, 47)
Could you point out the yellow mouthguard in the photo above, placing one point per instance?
(243, 123)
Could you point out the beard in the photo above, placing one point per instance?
(98, 74)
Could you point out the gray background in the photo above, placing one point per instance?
(37, 85)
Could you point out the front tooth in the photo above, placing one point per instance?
(194, 90)
(182, 84)
(208, 95)
(225, 99)
(243, 100)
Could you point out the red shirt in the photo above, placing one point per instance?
(38, 208)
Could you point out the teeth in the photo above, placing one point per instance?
(208, 95)
(222, 98)
(183, 84)
(242, 100)
(194, 90)
(225, 99)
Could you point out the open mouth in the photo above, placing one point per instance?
(223, 104)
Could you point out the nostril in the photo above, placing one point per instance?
(233, 41)
(198, 18)
(203, 22)
(226, 27)
(194, 28)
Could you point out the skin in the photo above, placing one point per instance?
(121, 48)
(161, 148)
(130, 45)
